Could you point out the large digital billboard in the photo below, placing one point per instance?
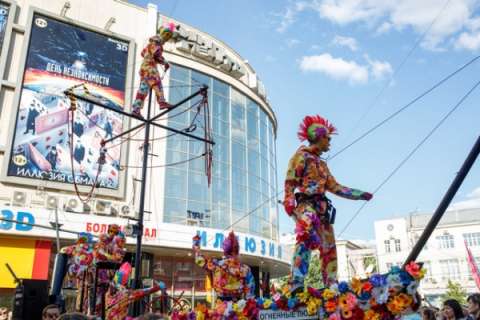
(4, 10)
(59, 56)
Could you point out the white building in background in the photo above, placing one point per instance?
(444, 255)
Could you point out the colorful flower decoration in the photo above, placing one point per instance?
(313, 128)
(380, 297)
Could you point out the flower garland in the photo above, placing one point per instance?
(380, 297)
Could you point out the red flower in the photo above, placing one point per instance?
(367, 287)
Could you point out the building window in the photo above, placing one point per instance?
(387, 246)
(450, 269)
(445, 241)
(427, 265)
(472, 239)
(397, 245)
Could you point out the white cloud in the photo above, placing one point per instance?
(379, 69)
(450, 18)
(348, 42)
(384, 28)
(336, 68)
(292, 42)
(290, 15)
(469, 41)
(474, 194)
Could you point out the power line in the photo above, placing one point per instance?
(397, 69)
(412, 152)
(438, 84)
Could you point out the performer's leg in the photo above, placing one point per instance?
(328, 254)
(142, 93)
(158, 88)
(300, 265)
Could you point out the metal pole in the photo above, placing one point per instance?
(447, 198)
(138, 252)
(56, 228)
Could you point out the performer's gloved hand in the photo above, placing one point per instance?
(196, 241)
(166, 66)
(367, 196)
(289, 205)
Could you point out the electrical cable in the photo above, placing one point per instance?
(397, 69)
(417, 98)
(430, 133)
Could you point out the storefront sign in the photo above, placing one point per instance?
(300, 314)
(248, 244)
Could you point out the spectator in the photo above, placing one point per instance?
(3, 313)
(150, 316)
(474, 306)
(428, 314)
(73, 316)
(452, 310)
(51, 312)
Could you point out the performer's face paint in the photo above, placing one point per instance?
(323, 144)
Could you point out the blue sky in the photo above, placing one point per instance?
(333, 57)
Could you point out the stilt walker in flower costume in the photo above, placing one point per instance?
(232, 280)
(149, 76)
(308, 178)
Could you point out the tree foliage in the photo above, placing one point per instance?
(455, 291)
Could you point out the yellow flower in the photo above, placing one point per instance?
(311, 308)
(200, 315)
(267, 303)
(371, 315)
(328, 294)
(303, 296)
(356, 286)
(342, 302)
(346, 314)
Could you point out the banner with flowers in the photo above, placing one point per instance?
(380, 297)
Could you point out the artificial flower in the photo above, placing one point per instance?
(328, 294)
(415, 270)
(330, 306)
(356, 286)
(346, 314)
(343, 287)
(371, 315)
(267, 303)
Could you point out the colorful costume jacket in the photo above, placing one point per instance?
(308, 173)
(152, 55)
(231, 279)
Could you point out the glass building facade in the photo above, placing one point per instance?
(243, 189)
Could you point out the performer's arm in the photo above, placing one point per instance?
(345, 192)
(294, 177)
(200, 260)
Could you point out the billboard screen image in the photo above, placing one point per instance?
(4, 9)
(61, 55)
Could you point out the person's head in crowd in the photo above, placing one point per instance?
(3, 313)
(428, 314)
(51, 312)
(150, 316)
(452, 310)
(73, 316)
(473, 306)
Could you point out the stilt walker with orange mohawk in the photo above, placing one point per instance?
(308, 178)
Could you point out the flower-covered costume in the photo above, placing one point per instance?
(307, 180)
(150, 78)
(119, 297)
(232, 279)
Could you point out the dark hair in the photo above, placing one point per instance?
(475, 298)
(456, 307)
(150, 316)
(73, 316)
(48, 307)
(428, 314)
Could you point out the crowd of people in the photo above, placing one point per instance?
(453, 310)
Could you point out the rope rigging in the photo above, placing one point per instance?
(198, 106)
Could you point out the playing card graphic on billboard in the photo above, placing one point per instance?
(61, 55)
(4, 9)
